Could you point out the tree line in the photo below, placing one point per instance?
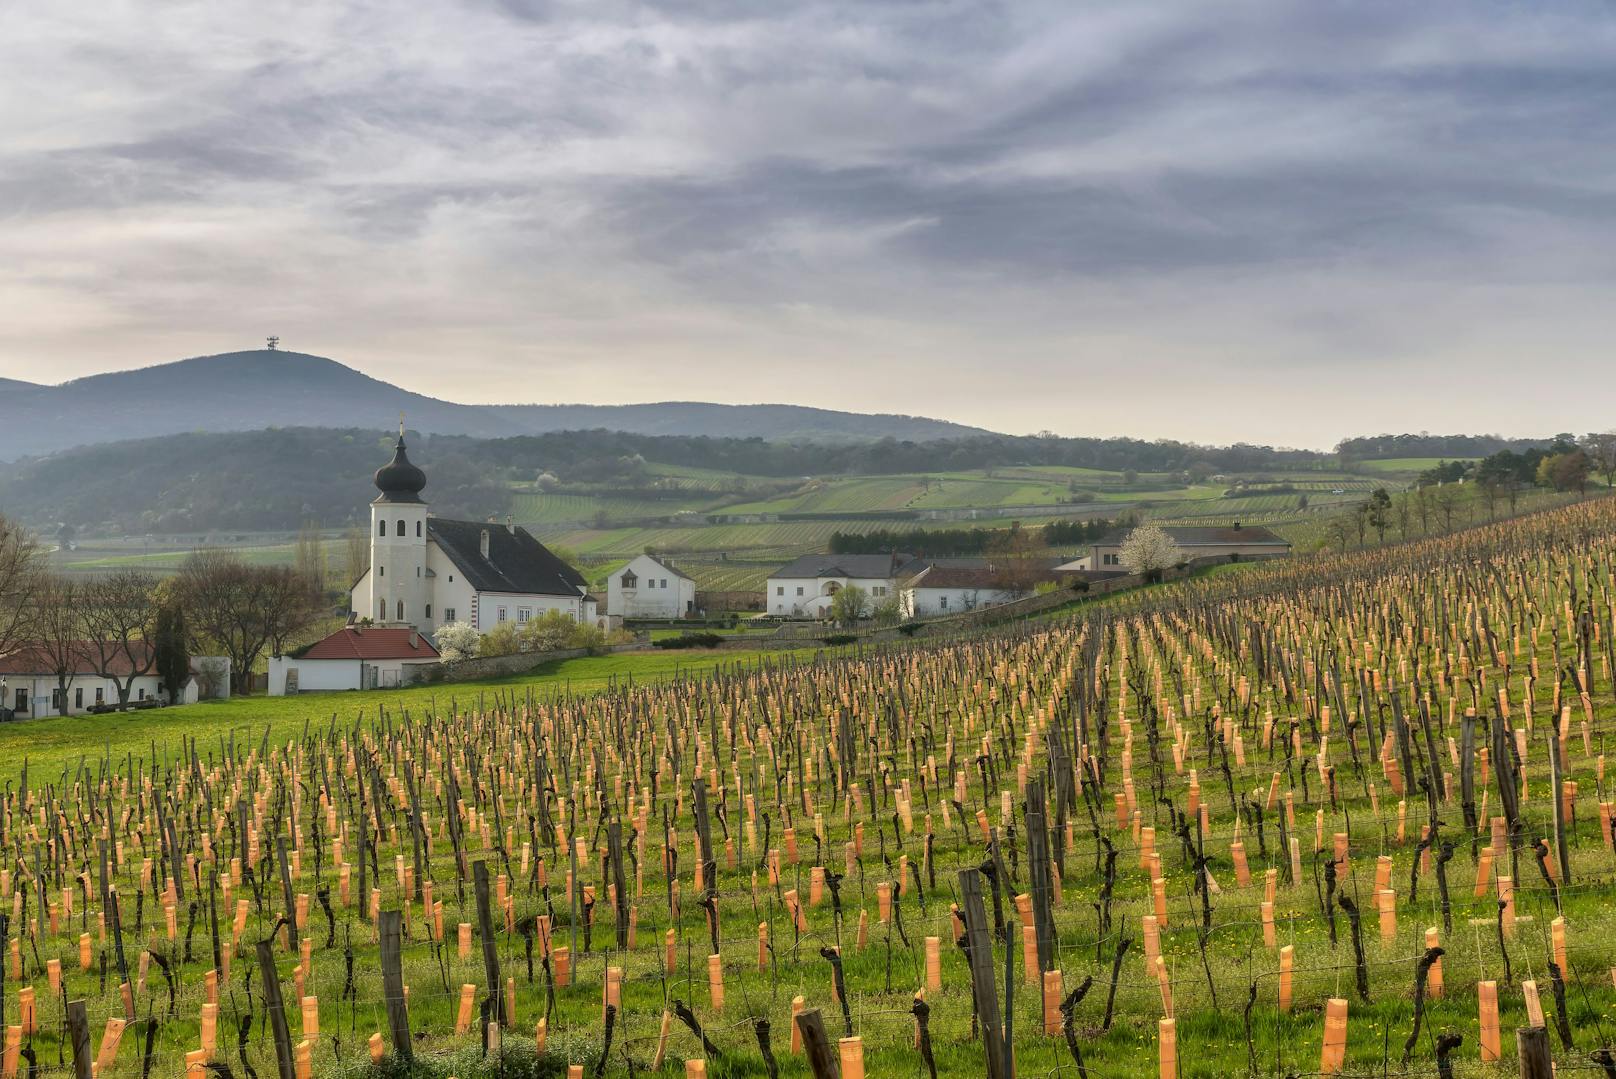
(944, 542)
(130, 624)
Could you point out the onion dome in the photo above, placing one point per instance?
(398, 480)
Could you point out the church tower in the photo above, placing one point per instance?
(399, 587)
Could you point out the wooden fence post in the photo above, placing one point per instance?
(390, 926)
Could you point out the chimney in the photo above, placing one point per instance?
(484, 544)
(510, 524)
(415, 640)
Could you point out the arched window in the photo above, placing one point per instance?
(429, 611)
(401, 610)
(417, 529)
(401, 531)
(381, 610)
(381, 527)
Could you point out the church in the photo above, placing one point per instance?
(426, 571)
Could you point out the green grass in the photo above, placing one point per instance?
(51, 744)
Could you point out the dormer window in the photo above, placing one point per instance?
(630, 581)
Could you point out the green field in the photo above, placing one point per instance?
(49, 745)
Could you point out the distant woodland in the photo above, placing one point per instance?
(278, 478)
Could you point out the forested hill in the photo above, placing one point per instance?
(247, 391)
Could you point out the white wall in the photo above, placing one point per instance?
(322, 675)
(815, 600)
(649, 598)
(489, 604)
(41, 688)
(921, 602)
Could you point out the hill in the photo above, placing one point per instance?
(246, 391)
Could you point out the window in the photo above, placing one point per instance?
(878, 590)
(401, 610)
(501, 614)
(417, 529)
(1111, 560)
(448, 614)
(400, 531)
(78, 697)
(664, 582)
(942, 603)
(781, 590)
(100, 695)
(630, 581)
(22, 700)
(799, 590)
(381, 571)
(59, 699)
(381, 528)
(451, 578)
(523, 614)
(417, 571)
(429, 610)
(381, 610)
(142, 693)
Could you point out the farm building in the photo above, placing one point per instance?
(1233, 542)
(355, 657)
(807, 587)
(31, 688)
(650, 588)
(426, 570)
(938, 590)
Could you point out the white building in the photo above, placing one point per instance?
(354, 657)
(807, 587)
(650, 588)
(938, 590)
(425, 570)
(31, 688)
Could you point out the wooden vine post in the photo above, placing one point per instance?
(390, 926)
(979, 939)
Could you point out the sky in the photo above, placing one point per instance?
(1282, 223)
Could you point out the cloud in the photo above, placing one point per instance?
(1258, 220)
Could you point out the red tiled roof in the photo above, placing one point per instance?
(372, 642)
(34, 657)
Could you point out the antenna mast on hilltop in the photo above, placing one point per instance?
(273, 342)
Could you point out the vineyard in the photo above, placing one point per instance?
(1345, 814)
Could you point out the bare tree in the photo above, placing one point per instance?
(1600, 447)
(58, 632)
(21, 577)
(356, 552)
(119, 613)
(1448, 496)
(239, 609)
(309, 557)
(1016, 559)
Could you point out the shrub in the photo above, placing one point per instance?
(908, 629)
(691, 640)
(502, 640)
(840, 638)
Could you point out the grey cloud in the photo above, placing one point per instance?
(1033, 188)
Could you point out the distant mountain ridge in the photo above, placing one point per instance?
(245, 391)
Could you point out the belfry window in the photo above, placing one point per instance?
(381, 527)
